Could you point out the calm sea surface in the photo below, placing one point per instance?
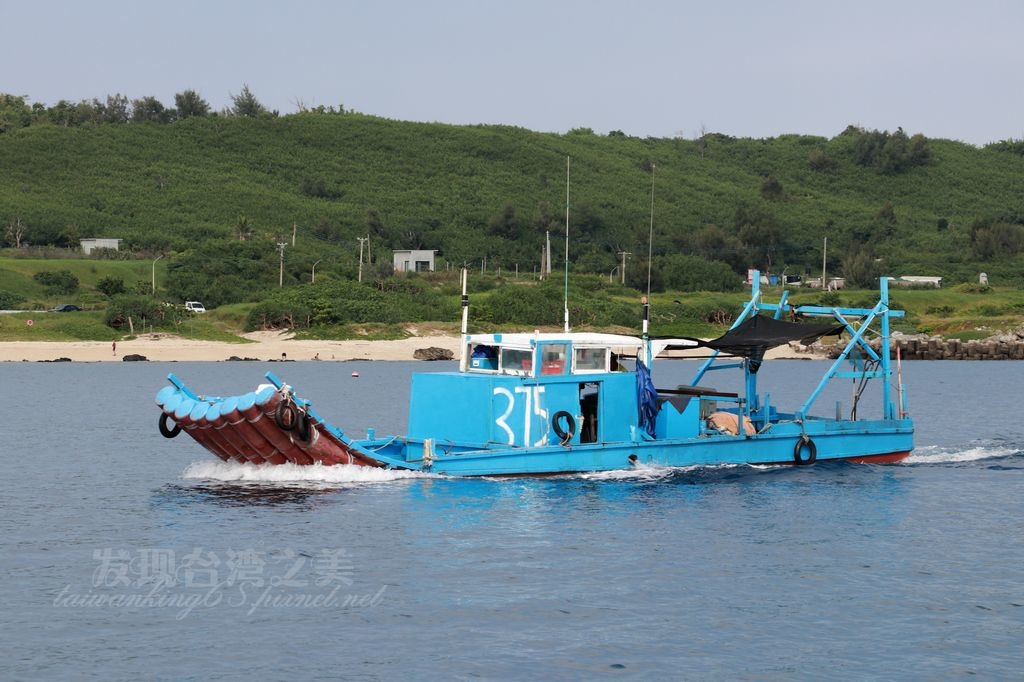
(126, 556)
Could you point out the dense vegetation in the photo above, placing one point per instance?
(215, 195)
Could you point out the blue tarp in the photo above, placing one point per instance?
(646, 398)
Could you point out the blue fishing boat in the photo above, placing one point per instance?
(551, 403)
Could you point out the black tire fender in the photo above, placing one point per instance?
(564, 435)
(812, 450)
(303, 429)
(166, 431)
(286, 416)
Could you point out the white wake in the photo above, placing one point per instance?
(943, 454)
(294, 473)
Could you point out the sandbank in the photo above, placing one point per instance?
(265, 346)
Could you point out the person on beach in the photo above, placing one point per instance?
(113, 347)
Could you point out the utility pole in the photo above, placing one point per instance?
(154, 272)
(280, 277)
(361, 240)
(623, 255)
(824, 256)
(312, 279)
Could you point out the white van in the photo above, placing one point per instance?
(195, 306)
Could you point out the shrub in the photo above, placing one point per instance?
(111, 286)
(9, 300)
(137, 308)
(940, 310)
(59, 281)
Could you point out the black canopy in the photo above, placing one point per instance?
(759, 333)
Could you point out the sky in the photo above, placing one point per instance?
(648, 68)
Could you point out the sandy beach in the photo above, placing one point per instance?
(263, 346)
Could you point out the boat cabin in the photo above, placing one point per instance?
(530, 390)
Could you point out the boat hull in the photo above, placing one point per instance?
(875, 442)
(249, 429)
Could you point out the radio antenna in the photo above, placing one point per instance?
(566, 296)
(650, 236)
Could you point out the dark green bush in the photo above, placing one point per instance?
(10, 300)
(59, 281)
(111, 286)
(138, 308)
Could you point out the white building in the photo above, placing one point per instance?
(414, 261)
(916, 281)
(89, 244)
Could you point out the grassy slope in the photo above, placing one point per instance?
(170, 186)
(191, 180)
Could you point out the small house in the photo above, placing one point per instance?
(416, 260)
(915, 281)
(89, 245)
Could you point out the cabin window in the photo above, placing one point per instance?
(553, 357)
(484, 358)
(516, 360)
(591, 360)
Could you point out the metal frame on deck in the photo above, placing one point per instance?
(857, 331)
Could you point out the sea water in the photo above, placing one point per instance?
(128, 556)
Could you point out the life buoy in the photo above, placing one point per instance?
(286, 416)
(165, 431)
(564, 435)
(812, 450)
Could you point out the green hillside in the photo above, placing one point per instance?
(475, 192)
(213, 195)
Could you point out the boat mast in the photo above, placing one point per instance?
(565, 299)
(647, 298)
(465, 323)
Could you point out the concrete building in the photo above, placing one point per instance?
(917, 281)
(88, 245)
(414, 261)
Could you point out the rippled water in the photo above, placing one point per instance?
(127, 556)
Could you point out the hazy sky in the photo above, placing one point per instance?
(656, 68)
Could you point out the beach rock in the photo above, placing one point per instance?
(57, 360)
(235, 358)
(134, 357)
(433, 353)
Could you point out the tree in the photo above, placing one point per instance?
(771, 188)
(15, 232)
(505, 225)
(189, 104)
(760, 232)
(996, 238)
(245, 104)
(243, 228)
(820, 162)
(14, 112)
(890, 153)
(149, 110)
(115, 110)
(69, 114)
(860, 266)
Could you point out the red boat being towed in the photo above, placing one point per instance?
(264, 426)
